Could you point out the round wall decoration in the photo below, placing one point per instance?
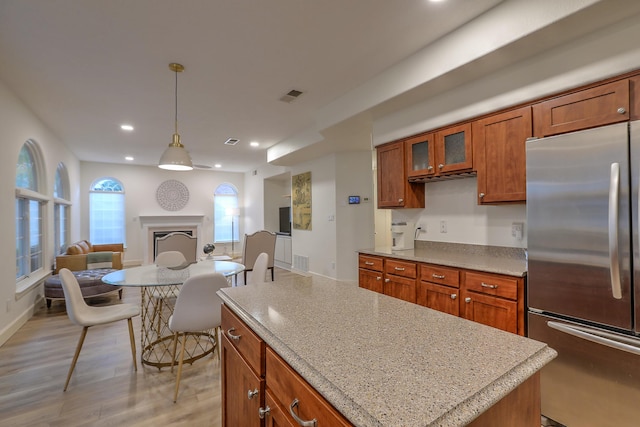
(172, 195)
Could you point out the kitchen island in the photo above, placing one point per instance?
(381, 361)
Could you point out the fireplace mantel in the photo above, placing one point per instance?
(170, 219)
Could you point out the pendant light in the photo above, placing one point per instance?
(176, 157)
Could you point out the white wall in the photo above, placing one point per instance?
(354, 223)
(141, 184)
(18, 125)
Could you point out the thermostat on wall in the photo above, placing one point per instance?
(354, 200)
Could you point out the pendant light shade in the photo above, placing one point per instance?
(176, 157)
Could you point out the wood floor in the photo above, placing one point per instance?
(104, 389)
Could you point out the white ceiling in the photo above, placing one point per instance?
(85, 67)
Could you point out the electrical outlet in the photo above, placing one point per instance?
(443, 226)
(517, 230)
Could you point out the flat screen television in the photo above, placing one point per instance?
(285, 219)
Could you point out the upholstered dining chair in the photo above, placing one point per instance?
(254, 245)
(259, 269)
(164, 259)
(197, 309)
(86, 316)
(178, 241)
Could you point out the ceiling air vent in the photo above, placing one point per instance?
(231, 141)
(291, 96)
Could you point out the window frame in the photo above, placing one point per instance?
(93, 236)
(61, 204)
(223, 220)
(27, 195)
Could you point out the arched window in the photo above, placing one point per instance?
(225, 214)
(30, 207)
(62, 209)
(106, 211)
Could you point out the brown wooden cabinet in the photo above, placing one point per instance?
(454, 149)
(420, 154)
(371, 272)
(242, 370)
(596, 106)
(394, 190)
(438, 288)
(499, 144)
(494, 300)
(259, 388)
(292, 397)
(400, 279)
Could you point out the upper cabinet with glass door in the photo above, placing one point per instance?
(420, 152)
(446, 152)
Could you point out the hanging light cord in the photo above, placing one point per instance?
(176, 116)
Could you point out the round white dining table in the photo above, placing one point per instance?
(159, 288)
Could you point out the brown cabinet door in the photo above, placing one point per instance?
(277, 417)
(491, 311)
(391, 175)
(438, 297)
(400, 287)
(600, 105)
(394, 189)
(420, 154)
(371, 280)
(453, 149)
(499, 144)
(238, 379)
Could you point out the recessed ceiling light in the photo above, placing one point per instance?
(217, 165)
(128, 128)
(254, 143)
(129, 158)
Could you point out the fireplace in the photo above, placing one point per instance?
(154, 226)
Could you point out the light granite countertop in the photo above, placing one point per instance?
(491, 259)
(382, 361)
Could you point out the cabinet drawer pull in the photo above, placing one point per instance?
(430, 168)
(481, 195)
(437, 276)
(263, 412)
(379, 278)
(300, 421)
(454, 296)
(486, 285)
(252, 393)
(440, 166)
(467, 300)
(368, 263)
(233, 337)
(400, 200)
(399, 268)
(622, 110)
(387, 280)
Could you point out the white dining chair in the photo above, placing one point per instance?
(197, 309)
(86, 316)
(170, 259)
(259, 269)
(165, 259)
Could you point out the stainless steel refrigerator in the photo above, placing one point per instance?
(583, 279)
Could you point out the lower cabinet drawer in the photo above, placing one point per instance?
(492, 284)
(287, 387)
(244, 339)
(401, 268)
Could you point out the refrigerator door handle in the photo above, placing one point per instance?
(598, 337)
(614, 264)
